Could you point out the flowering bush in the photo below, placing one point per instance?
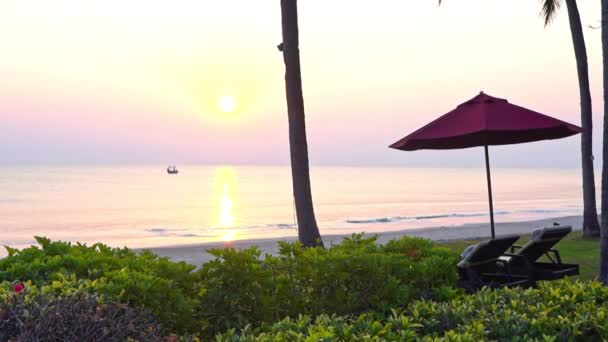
(238, 287)
(169, 289)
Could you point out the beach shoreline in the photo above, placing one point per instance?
(197, 253)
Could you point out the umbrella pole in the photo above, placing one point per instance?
(490, 191)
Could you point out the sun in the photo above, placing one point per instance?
(227, 103)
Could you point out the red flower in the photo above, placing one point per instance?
(19, 287)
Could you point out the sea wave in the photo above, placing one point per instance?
(212, 232)
(281, 225)
(421, 217)
(393, 219)
(551, 211)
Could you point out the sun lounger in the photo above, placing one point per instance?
(480, 266)
(541, 244)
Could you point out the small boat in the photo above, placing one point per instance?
(172, 170)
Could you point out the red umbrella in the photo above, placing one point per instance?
(482, 121)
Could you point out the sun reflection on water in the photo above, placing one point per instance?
(226, 199)
(226, 204)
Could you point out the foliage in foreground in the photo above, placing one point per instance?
(353, 277)
(556, 311)
(79, 317)
(240, 287)
(169, 289)
(351, 290)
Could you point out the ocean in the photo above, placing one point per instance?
(143, 206)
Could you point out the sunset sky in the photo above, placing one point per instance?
(199, 81)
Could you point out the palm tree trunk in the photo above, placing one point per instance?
(604, 214)
(308, 232)
(591, 226)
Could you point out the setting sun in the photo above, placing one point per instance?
(227, 103)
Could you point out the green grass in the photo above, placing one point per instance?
(574, 249)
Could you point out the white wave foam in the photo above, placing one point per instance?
(463, 215)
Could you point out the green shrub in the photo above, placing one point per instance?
(355, 276)
(413, 247)
(240, 287)
(555, 311)
(168, 289)
(570, 310)
(78, 317)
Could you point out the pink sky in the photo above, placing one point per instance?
(139, 82)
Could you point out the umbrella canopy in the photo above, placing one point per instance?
(486, 120)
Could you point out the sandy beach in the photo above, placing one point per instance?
(196, 253)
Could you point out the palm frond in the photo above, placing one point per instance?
(549, 10)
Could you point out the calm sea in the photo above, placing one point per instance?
(144, 206)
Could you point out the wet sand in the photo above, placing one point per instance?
(196, 254)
